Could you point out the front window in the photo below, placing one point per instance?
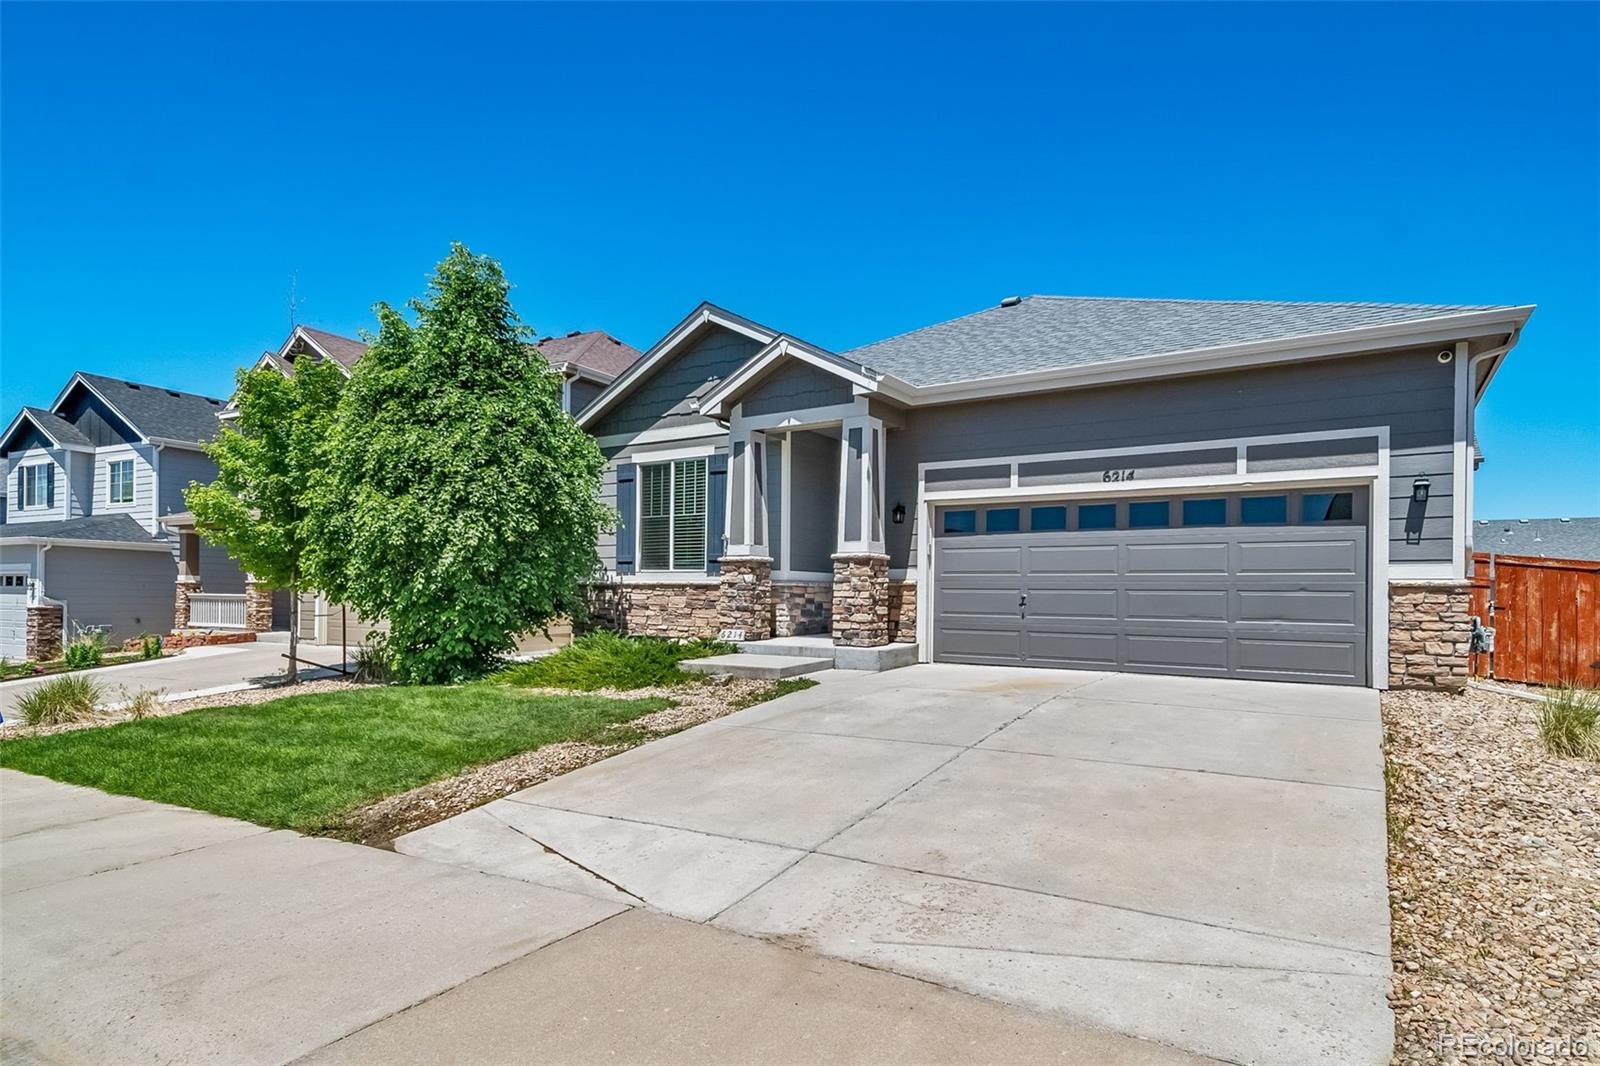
(672, 515)
(121, 474)
(38, 485)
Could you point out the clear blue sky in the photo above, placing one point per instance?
(844, 173)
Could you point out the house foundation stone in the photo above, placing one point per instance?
(257, 607)
(801, 608)
(1430, 633)
(744, 596)
(903, 612)
(186, 587)
(677, 610)
(861, 600)
(42, 640)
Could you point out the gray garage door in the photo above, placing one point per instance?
(1270, 586)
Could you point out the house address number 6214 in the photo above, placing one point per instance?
(1117, 475)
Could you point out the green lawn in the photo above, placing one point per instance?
(302, 761)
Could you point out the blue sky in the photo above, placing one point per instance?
(841, 172)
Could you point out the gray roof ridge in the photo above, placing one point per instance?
(1255, 301)
(147, 385)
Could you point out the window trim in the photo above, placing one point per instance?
(111, 481)
(23, 485)
(670, 461)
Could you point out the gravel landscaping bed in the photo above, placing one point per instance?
(1494, 883)
(438, 800)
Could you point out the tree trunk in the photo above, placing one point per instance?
(294, 636)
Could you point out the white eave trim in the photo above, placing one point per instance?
(299, 331)
(65, 542)
(641, 369)
(1441, 329)
(863, 379)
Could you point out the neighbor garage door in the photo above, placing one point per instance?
(1270, 586)
(13, 616)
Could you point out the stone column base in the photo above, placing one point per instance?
(861, 600)
(186, 587)
(744, 596)
(1430, 632)
(257, 607)
(903, 612)
(43, 638)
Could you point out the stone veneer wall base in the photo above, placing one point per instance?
(860, 600)
(42, 638)
(744, 596)
(1430, 632)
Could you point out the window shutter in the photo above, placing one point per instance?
(627, 498)
(716, 510)
(50, 485)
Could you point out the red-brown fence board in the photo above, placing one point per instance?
(1545, 610)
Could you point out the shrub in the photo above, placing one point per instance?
(374, 662)
(150, 646)
(1568, 720)
(87, 648)
(66, 699)
(607, 660)
(142, 704)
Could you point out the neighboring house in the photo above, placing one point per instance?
(1230, 489)
(89, 481)
(1549, 538)
(587, 361)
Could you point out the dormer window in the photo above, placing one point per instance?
(38, 485)
(120, 479)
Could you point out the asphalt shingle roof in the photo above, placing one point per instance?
(1552, 538)
(595, 349)
(116, 528)
(159, 412)
(1061, 332)
(62, 431)
(343, 350)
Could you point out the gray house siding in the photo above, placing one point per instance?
(662, 399)
(813, 524)
(793, 386)
(1408, 391)
(16, 514)
(180, 466)
(129, 591)
(581, 394)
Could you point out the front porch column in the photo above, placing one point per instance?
(861, 565)
(744, 595)
(257, 605)
(188, 577)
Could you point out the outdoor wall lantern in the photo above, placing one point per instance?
(898, 514)
(1419, 490)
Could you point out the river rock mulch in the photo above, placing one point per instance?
(697, 702)
(1494, 884)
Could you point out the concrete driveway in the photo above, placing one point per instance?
(140, 932)
(197, 670)
(1196, 862)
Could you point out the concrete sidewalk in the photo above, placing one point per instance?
(138, 932)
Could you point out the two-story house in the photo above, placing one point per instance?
(587, 360)
(88, 481)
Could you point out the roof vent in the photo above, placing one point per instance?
(171, 393)
(575, 333)
(1011, 301)
(130, 385)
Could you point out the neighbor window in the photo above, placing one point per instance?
(1097, 516)
(1041, 519)
(1327, 507)
(1002, 520)
(1205, 512)
(1263, 510)
(121, 472)
(672, 515)
(38, 485)
(1149, 514)
(960, 522)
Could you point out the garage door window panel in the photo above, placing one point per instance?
(1319, 507)
(1264, 510)
(1150, 514)
(1205, 512)
(959, 523)
(1002, 520)
(1097, 516)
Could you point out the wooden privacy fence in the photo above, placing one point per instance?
(1544, 613)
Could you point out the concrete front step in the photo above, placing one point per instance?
(812, 647)
(766, 667)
